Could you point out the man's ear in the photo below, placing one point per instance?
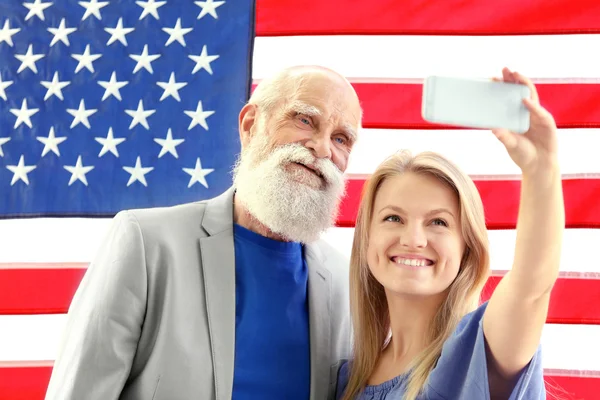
(247, 119)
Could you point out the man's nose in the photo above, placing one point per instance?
(320, 145)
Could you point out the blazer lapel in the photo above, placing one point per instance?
(319, 304)
(218, 266)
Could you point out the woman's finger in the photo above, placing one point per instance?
(526, 81)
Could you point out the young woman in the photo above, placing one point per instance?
(419, 262)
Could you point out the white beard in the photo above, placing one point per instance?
(289, 208)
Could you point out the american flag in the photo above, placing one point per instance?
(385, 47)
(107, 106)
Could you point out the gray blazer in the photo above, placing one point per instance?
(154, 316)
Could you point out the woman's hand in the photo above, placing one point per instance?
(537, 149)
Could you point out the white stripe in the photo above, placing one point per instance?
(48, 240)
(37, 337)
(477, 152)
(551, 56)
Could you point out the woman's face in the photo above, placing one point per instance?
(415, 240)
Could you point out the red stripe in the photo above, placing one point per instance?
(581, 202)
(24, 383)
(38, 291)
(398, 105)
(30, 383)
(573, 300)
(50, 290)
(417, 17)
(389, 105)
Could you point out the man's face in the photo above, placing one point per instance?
(323, 116)
(290, 175)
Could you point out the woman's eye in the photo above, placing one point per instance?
(439, 221)
(392, 218)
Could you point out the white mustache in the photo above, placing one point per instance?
(297, 153)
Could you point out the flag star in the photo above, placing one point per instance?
(138, 173)
(55, 87)
(198, 174)
(118, 33)
(208, 7)
(92, 7)
(20, 171)
(150, 7)
(168, 144)
(36, 8)
(112, 87)
(171, 88)
(3, 86)
(109, 143)
(51, 142)
(6, 33)
(3, 140)
(28, 60)
(144, 60)
(199, 116)
(203, 61)
(78, 172)
(86, 59)
(61, 33)
(81, 115)
(139, 116)
(177, 33)
(23, 114)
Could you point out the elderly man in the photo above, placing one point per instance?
(236, 296)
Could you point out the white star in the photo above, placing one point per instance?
(51, 142)
(28, 60)
(86, 59)
(36, 8)
(3, 140)
(109, 143)
(198, 117)
(92, 7)
(118, 33)
(150, 7)
(112, 87)
(168, 144)
(139, 116)
(61, 33)
(6, 33)
(78, 171)
(171, 88)
(20, 171)
(144, 60)
(209, 7)
(24, 114)
(203, 61)
(3, 86)
(81, 115)
(177, 33)
(198, 174)
(138, 172)
(55, 87)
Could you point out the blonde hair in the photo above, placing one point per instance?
(370, 317)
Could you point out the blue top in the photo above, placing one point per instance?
(461, 371)
(272, 354)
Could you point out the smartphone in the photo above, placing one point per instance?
(475, 103)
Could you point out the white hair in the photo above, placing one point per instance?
(274, 198)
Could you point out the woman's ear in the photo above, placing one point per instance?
(247, 119)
